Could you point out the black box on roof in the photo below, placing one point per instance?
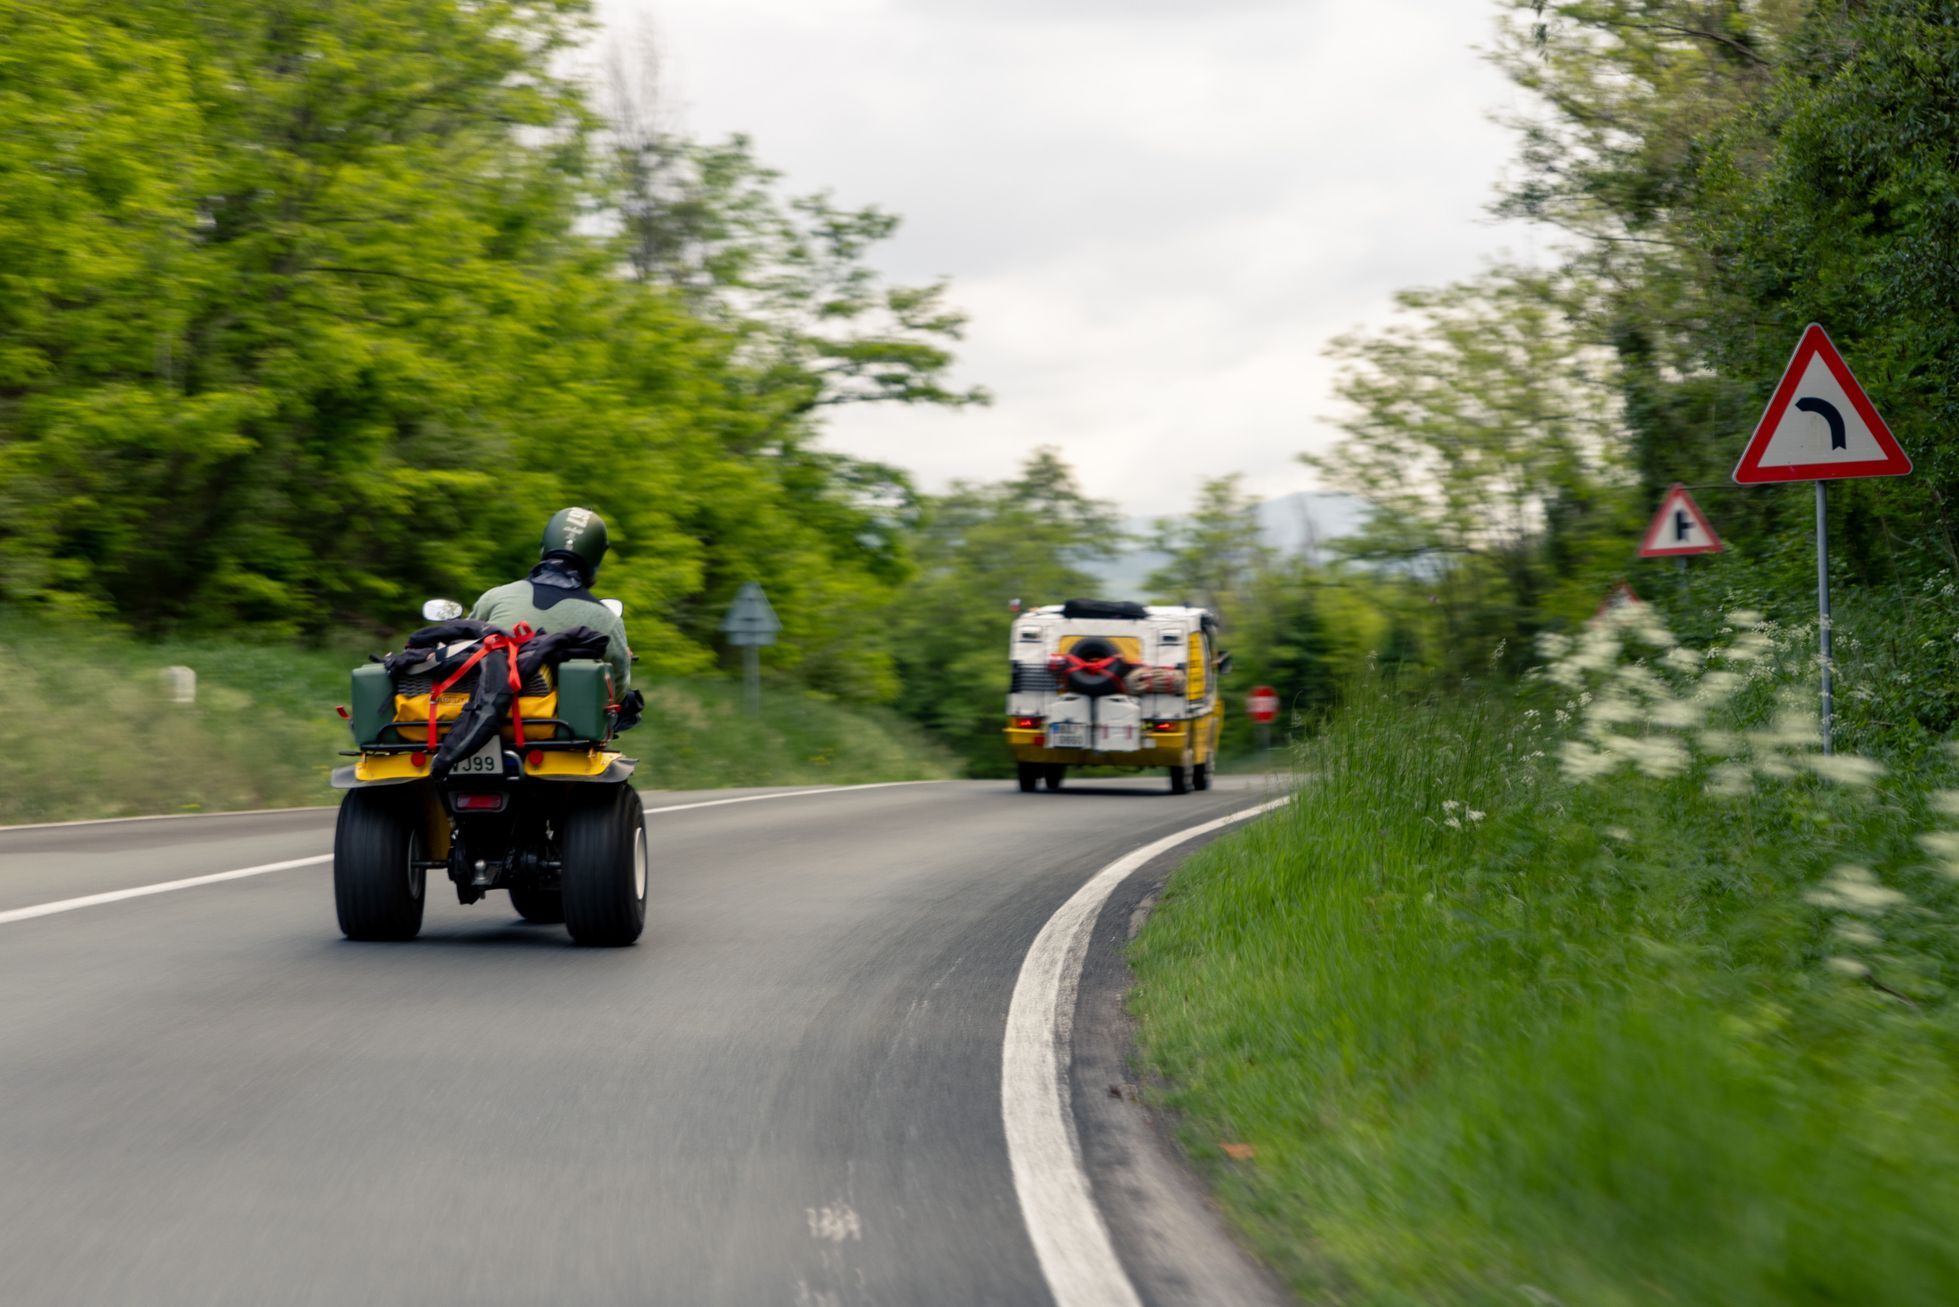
(1107, 610)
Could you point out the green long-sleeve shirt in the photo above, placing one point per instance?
(507, 605)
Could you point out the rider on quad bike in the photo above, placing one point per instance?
(486, 753)
(557, 594)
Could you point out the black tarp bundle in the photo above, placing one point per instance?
(438, 651)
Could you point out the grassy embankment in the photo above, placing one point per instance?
(1604, 992)
(94, 737)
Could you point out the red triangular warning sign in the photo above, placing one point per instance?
(1819, 425)
(1679, 528)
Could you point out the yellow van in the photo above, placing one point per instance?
(1110, 684)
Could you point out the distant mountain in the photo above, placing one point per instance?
(1294, 524)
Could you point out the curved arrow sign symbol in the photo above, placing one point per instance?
(1828, 412)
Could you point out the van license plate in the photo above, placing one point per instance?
(486, 761)
(1067, 735)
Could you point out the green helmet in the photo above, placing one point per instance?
(576, 533)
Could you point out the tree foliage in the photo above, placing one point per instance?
(311, 308)
(1722, 172)
(981, 547)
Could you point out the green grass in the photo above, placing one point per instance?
(1584, 1050)
(93, 734)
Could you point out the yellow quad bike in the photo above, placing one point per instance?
(556, 823)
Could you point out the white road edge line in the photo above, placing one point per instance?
(191, 882)
(790, 794)
(1069, 1236)
(163, 887)
(164, 816)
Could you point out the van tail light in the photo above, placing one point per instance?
(1027, 723)
(1164, 728)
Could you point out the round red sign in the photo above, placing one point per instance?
(1263, 703)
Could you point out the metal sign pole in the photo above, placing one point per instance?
(751, 675)
(1823, 608)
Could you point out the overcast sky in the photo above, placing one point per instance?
(1157, 212)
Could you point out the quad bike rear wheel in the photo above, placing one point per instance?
(605, 866)
(542, 905)
(378, 890)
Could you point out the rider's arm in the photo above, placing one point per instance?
(620, 657)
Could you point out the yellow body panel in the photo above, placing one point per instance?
(1199, 676)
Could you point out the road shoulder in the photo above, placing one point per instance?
(1169, 1233)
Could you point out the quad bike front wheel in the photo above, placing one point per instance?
(605, 866)
(378, 890)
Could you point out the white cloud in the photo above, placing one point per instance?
(1156, 211)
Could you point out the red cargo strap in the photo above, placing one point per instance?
(519, 636)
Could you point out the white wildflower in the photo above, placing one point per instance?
(1473, 814)
(1617, 833)
(1450, 805)
(1582, 762)
(1453, 823)
(1844, 768)
(1847, 967)
(1851, 888)
(1730, 780)
(1721, 742)
(1943, 845)
(1856, 933)
(1946, 801)
(1682, 659)
(1680, 714)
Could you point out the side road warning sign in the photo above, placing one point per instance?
(1679, 528)
(1819, 425)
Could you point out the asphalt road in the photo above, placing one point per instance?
(789, 1092)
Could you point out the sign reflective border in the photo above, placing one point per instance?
(1679, 528)
(1819, 425)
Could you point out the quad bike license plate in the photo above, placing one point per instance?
(1067, 735)
(486, 761)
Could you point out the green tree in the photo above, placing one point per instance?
(1212, 554)
(1485, 429)
(980, 548)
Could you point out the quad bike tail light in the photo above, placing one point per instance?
(479, 802)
